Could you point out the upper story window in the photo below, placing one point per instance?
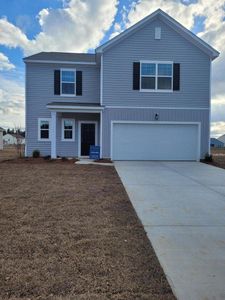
(44, 129)
(68, 82)
(156, 76)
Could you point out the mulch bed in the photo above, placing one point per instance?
(70, 232)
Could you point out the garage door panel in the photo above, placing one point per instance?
(136, 141)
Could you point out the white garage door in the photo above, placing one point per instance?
(144, 141)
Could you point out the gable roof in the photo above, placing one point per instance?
(215, 140)
(191, 37)
(65, 57)
(222, 138)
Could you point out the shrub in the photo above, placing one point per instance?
(36, 153)
(208, 157)
(47, 157)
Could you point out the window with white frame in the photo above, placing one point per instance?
(68, 79)
(44, 129)
(156, 76)
(68, 129)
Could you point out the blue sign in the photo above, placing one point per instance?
(94, 152)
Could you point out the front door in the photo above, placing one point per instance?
(87, 137)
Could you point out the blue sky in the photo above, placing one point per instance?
(32, 26)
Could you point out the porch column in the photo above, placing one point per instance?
(53, 134)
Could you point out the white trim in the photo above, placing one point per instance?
(176, 26)
(79, 134)
(198, 154)
(101, 134)
(77, 111)
(39, 129)
(74, 107)
(156, 76)
(62, 130)
(26, 152)
(152, 107)
(101, 80)
(53, 134)
(59, 62)
(75, 85)
(210, 95)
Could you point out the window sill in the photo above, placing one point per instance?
(44, 140)
(156, 91)
(73, 140)
(67, 95)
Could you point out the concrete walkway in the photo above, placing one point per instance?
(182, 208)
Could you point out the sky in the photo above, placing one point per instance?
(28, 27)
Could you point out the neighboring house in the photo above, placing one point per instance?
(13, 139)
(215, 143)
(144, 95)
(1, 138)
(222, 138)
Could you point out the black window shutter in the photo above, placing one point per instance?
(176, 77)
(79, 83)
(136, 76)
(57, 82)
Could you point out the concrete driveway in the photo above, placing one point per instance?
(182, 208)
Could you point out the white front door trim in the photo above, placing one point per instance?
(155, 123)
(79, 134)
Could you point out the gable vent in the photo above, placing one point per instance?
(157, 33)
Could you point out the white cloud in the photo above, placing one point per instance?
(11, 35)
(11, 102)
(5, 64)
(77, 27)
(217, 129)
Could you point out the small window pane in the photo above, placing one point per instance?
(68, 124)
(68, 134)
(44, 125)
(68, 88)
(165, 69)
(44, 134)
(68, 76)
(164, 83)
(148, 69)
(148, 83)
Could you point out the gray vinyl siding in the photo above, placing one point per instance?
(40, 91)
(63, 148)
(172, 115)
(118, 70)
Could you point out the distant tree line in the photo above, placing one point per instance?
(14, 131)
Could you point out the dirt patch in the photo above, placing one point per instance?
(103, 160)
(69, 232)
(218, 161)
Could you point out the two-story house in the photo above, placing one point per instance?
(144, 95)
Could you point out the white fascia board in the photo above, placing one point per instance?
(59, 62)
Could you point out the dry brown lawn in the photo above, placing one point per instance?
(9, 152)
(69, 232)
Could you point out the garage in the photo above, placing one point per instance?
(155, 141)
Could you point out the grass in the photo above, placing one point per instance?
(69, 232)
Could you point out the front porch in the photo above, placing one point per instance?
(74, 127)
